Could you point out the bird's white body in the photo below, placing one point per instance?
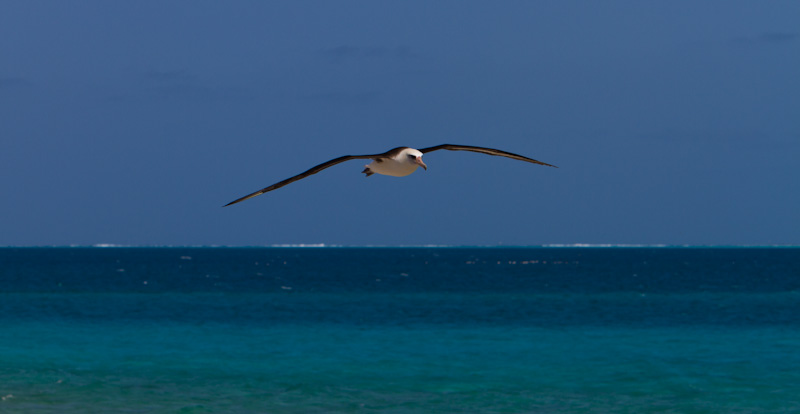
(401, 165)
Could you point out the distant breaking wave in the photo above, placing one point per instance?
(614, 245)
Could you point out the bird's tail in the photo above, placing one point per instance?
(367, 171)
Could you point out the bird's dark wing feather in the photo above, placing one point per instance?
(483, 150)
(312, 170)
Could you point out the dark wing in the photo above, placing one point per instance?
(312, 170)
(483, 150)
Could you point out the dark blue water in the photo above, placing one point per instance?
(399, 330)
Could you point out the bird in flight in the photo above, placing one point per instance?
(398, 162)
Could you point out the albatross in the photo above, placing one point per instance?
(398, 162)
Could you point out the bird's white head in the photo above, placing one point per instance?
(413, 156)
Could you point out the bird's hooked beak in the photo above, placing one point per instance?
(418, 161)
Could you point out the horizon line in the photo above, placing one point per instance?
(325, 245)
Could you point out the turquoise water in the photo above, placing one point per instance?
(400, 330)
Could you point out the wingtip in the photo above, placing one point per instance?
(235, 201)
(247, 197)
(544, 163)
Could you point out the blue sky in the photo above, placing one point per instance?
(134, 122)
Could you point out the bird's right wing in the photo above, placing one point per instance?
(310, 171)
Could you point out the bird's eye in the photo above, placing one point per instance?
(413, 157)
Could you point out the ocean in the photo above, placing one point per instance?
(400, 330)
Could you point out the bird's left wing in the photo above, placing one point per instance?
(310, 171)
(484, 150)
